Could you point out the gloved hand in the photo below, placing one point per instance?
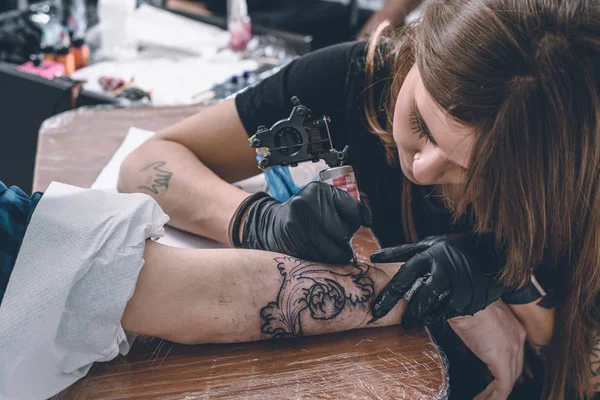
(316, 224)
(458, 275)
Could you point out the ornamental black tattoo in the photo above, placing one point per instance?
(306, 285)
(158, 181)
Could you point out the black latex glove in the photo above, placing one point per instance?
(316, 224)
(458, 275)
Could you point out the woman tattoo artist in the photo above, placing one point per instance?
(482, 117)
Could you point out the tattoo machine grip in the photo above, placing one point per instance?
(342, 178)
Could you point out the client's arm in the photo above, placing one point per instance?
(211, 296)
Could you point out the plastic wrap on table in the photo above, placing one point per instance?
(345, 365)
(74, 146)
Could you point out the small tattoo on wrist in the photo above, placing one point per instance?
(157, 181)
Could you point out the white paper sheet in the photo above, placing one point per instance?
(75, 272)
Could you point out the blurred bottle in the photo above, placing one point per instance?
(77, 27)
(117, 27)
(77, 19)
(64, 55)
(46, 47)
(81, 53)
(238, 24)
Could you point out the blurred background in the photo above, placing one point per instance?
(60, 55)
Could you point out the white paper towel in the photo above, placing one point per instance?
(76, 270)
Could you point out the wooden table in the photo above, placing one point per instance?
(377, 363)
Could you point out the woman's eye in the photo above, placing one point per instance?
(417, 129)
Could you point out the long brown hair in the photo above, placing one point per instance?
(526, 75)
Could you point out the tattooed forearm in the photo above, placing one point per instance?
(325, 292)
(157, 179)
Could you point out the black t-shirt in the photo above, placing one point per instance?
(331, 82)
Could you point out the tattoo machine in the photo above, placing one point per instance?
(301, 138)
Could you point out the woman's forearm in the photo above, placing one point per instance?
(189, 166)
(193, 196)
(212, 296)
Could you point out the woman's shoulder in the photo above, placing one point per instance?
(318, 79)
(329, 68)
(347, 64)
(340, 53)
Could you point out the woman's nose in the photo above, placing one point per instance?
(428, 165)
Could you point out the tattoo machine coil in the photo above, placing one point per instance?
(301, 138)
